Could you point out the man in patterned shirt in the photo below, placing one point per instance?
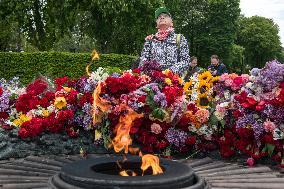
(169, 49)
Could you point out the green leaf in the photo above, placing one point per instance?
(270, 148)
(158, 113)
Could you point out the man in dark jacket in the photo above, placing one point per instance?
(216, 68)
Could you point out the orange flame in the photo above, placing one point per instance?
(122, 139)
(100, 105)
(133, 150)
(127, 173)
(149, 160)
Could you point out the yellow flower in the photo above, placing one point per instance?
(60, 102)
(21, 119)
(67, 89)
(180, 80)
(98, 135)
(45, 113)
(166, 72)
(215, 79)
(168, 81)
(203, 87)
(206, 76)
(95, 55)
(187, 85)
(203, 100)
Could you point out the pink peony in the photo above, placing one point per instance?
(156, 128)
(229, 82)
(269, 126)
(224, 77)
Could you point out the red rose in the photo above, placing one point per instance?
(191, 140)
(238, 80)
(23, 133)
(142, 99)
(1, 91)
(277, 158)
(137, 71)
(4, 115)
(60, 82)
(163, 144)
(37, 87)
(237, 114)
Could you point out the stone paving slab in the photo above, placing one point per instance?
(35, 172)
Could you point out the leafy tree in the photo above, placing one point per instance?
(259, 36)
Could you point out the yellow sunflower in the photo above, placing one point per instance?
(205, 76)
(187, 87)
(214, 79)
(203, 87)
(203, 100)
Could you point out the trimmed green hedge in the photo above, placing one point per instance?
(27, 66)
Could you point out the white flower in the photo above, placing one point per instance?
(192, 128)
(278, 134)
(51, 108)
(219, 115)
(227, 95)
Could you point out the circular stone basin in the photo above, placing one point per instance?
(103, 172)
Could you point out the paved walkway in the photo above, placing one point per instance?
(34, 172)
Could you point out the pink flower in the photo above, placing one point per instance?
(229, 82)
(202, 115)
(156, 128)
(220, 108)
(245, 78)
(269, 126)
(224, 77)
(250, 162)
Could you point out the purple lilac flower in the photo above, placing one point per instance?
(249, 120)
(255, 71)
(87, 119)
(83, 85)
(159, 97)
(271, 75)
(4, 102)
(176, 137)
(275, 114)
(258, 130)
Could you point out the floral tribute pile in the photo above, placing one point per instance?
(252, 107)
(232, 113)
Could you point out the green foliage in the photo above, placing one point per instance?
(237, 59)
(209, 25)
(259, 36)
(27, 66)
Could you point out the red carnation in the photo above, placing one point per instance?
(4, 115)
(191, 140)
(23, 133)
(238, 80)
